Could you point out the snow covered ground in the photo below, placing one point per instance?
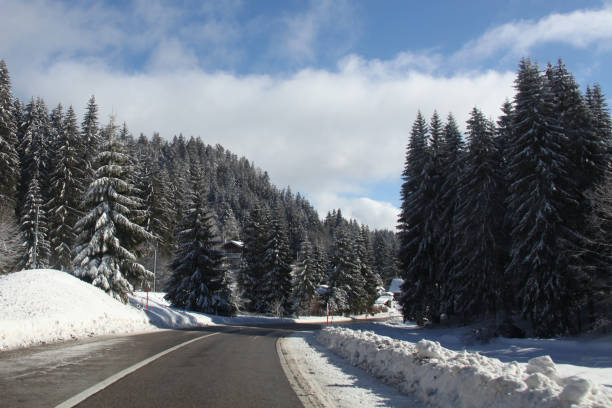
(448, 370)
(44, 306)
(446, 378)
(590, 358)
(334, 381)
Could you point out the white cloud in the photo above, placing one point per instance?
(35, 31)
(580, 28)
(303, 31)
(375, 214)
(171, 55)
(320, 132)
(325, 133)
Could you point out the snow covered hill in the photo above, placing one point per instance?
(45, 305)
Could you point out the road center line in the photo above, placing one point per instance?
(80, 397)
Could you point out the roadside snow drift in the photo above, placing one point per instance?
(45, 305)
(444, 377)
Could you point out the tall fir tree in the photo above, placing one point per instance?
(503, 140)
(599, 296)
(371, 280)
(34, 150)
(66, 191)
(9, 158)
(306, 279)
(90, 135)
(588, 162)
(346, 282)
(475, 276)
(107, 235)
(253, 269)
(198, 281)
(537, 205)
(36, 249)
(416, 245)
(452, 158)
(276, 285)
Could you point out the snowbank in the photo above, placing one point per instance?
(163, 315)
(444, 377)
(44, 305)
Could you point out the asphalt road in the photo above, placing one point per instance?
(233, 367)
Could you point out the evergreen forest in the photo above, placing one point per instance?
(126, 212)
(513, 221)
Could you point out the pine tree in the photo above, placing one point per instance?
(452, 162)
(252, 272)
(154, 188)
(276, 283)
(599, 296)
(90, 137)
(107, 235)
(596, 102)
(537, 203)
(475, 275)
(33, 224)
(588, 161)
(66, 191)
(416, 245)
(503, 140)
(34, 150)
(385, 256)
(198, 281)
(9, 158)
(229, 224)
(347, 284)
(10, 241)
(372, 280)
(306, 279)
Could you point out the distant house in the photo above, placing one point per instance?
(396, 287)
(232, 251)
(385, 299)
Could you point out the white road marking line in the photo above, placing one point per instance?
(82, 396)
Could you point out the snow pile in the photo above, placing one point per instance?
(163, 315)
(44, 305)
(444, 377)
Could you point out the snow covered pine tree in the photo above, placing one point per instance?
(107, 236)
(198, 281)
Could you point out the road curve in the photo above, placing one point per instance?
(236, 367)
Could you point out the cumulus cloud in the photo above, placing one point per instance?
(303, 31)
(376, 214)
(321, 132)
(35, 31)
(325, 132)
(580, 28)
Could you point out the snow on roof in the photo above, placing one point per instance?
(383, 299)
(234, 243)
(395, 286)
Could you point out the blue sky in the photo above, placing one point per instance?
(321, 94)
